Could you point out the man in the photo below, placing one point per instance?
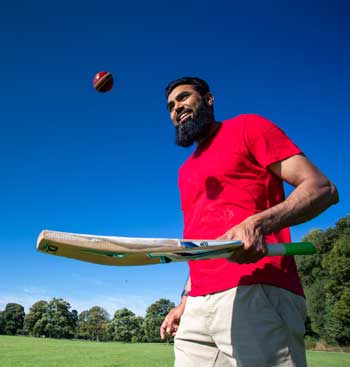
(249, 310)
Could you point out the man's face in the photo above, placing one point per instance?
(190, 113)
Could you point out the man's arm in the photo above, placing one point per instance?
(172, 320)
(313, 193)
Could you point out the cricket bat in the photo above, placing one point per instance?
(128, 251)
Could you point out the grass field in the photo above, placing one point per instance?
(17, 351)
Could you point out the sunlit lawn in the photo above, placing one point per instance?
(17, 351)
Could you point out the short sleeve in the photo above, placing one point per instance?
(267, 142)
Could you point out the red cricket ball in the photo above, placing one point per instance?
(103, 81)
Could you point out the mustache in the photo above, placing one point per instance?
(187, 110)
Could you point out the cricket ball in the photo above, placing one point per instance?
(103, 81)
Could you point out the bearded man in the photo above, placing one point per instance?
(248, 310)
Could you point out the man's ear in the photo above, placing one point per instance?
(210, 99)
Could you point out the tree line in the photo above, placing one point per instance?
(55, 319)
(325, 277)
(326, 281)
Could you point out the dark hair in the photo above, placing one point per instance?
(199, 85)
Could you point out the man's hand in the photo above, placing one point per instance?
(172, 321)
(251, 235)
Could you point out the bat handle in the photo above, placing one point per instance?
(295, 248)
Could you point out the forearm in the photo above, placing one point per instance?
(307, 201)
(313, 193)
(186, 289)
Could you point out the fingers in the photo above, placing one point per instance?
(164, 327)
(173, 331)
(244, 257)
(252, 238)
(169, 326)
(229, 235)
(249, 255)
(163, 330)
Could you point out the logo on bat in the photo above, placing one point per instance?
(204, 243)
(50, 248)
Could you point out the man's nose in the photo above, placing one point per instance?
(179, 108)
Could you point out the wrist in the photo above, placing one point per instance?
(184, 293)
(257, 223)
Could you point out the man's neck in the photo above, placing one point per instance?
(214, 126)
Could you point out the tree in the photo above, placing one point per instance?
(139, 336)
(342, 227)
(125, 326)
(2, 322)
(316, 308)
(337, 287)
(326, 280)
(35, 321)
(83, 331)
(13, 319)
(93, 324)
(155, 315)
(310, 267)
(59, 321)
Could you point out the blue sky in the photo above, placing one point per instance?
(75, 160)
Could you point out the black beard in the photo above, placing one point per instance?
(196, 128)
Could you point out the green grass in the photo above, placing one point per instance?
(328, 359)
(18, 351)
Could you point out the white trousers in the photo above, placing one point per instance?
(248, 326)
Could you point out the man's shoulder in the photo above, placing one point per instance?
(247, 117)
(250, 121)
(236, 121)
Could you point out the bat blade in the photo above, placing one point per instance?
(124, 251)
(128, 251)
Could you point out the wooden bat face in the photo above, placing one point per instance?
(126, 251)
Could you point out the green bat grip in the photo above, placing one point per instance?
(295, 248)
(300, 248)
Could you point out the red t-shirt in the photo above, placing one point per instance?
(222, 183)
